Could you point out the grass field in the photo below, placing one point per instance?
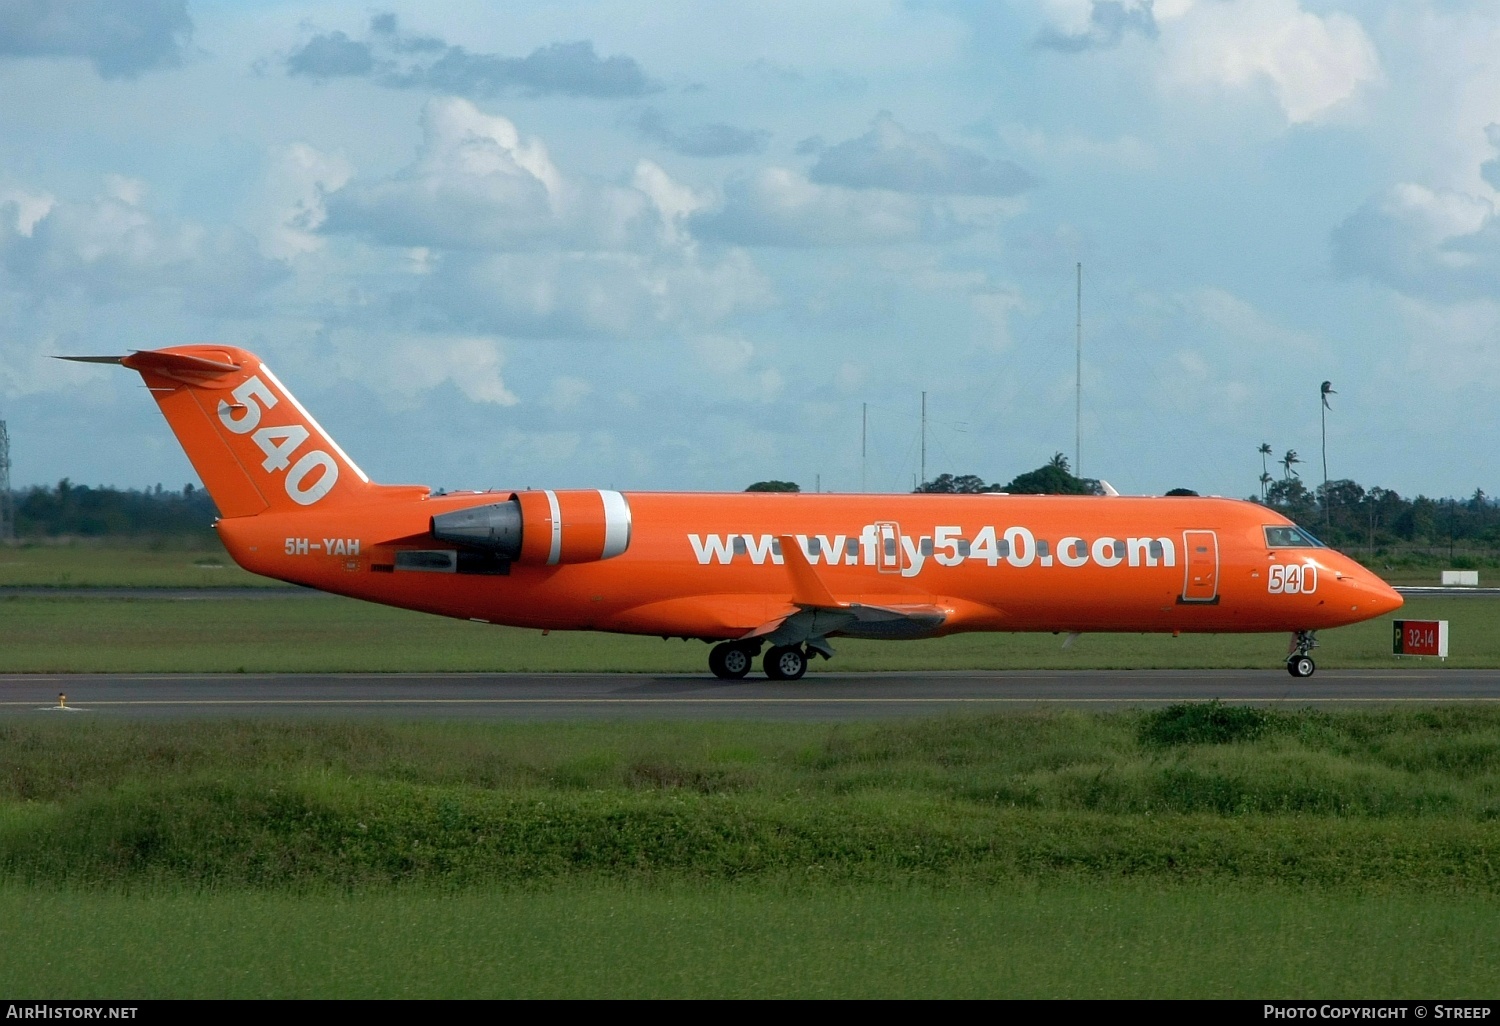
(123, 566)
(328, 634)
(1016, 940)
(1192, 851)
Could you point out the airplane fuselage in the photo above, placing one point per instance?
(713, 565)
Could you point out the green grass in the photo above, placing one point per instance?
(1406, 798)
(329, 634)
(1192, 851)
(124, 566)
(1065, 940)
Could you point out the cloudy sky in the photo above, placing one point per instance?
(678, 245)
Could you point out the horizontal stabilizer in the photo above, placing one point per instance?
(162, 362)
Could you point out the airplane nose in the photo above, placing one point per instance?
(1371, 596)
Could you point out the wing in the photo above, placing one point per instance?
(820, 614)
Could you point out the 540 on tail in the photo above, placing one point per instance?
(773, 573)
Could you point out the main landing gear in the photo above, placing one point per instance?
(731, 661)
(1298, 662)
(785, 662)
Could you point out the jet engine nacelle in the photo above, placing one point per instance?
(542, 527)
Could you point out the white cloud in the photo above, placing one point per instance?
(509, 244)
(995, 308)
(553, 295)
(27, 208)
(1312, 63)
(120, 40)
(473, 365)
(1452, 346)
(1209, 356)
(780, 207)
(722, 354)
(1421, 241)
(476, 184)
(293, 208)
(1244, 327)
(27, 366)
(114, 247)
(674, 202)
(1126, 151)
(567, 393)
(889, 156)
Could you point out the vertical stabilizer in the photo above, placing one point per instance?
(252, 443)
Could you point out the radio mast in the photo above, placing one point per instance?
(7, 519)
(1078, 388)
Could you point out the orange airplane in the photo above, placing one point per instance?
(748, 571)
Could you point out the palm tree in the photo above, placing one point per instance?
(1264, 450)
(1287, 461)
(1265, 482)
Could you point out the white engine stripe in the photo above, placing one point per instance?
(556, 553)
(616, 523)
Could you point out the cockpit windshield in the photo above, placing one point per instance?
(1287, 536)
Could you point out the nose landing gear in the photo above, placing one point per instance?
(1298, 662)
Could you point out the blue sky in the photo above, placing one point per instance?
(677, 245)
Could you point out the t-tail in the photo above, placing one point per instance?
(252, 443)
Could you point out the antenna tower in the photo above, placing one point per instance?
(7, 524)
(924, 438)
(1078, 387)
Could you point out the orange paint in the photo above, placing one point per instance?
(788, 570)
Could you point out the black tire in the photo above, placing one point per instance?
(785, 662)
(1301, 666)
(729, 661)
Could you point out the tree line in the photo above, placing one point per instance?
(70, 510)
(1372, 522)
(1052, 478)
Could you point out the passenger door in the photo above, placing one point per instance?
(1201, 575)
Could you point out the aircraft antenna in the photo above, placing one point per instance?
(924, 438)
(7, 525)
(1078, 387)
(864, 433)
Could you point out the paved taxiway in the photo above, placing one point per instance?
(820, 696)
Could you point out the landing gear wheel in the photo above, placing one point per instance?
(1298, 661)
(728, 661)
(785, 662)
(1301, 666)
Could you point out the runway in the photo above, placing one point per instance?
(819, 696)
